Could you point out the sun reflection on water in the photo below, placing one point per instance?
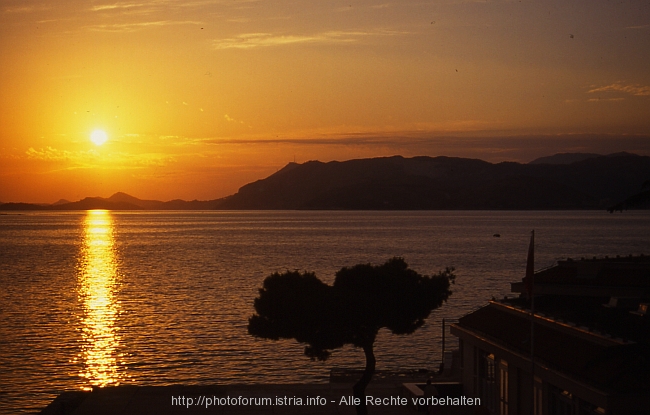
(98, 281)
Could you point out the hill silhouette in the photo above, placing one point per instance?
(591, 182)
(564, 158)
(445, 183)
(118, 201)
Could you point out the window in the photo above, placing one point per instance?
(487, 380)
(560, 402)
(587, 408)
(503, 387)
(461, 352)
(476, 362)
(537, 396)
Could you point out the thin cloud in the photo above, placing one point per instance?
(605, 99)
(115, 6)
(132, 27)
(91, 158)
(230, 119)
(632, 89)
(521, 148)
(346, 141)
(349, 7)
(167, 4)
(51, 154)
(255, 40)
(343, 9)
(160, 7)
(396, 139)
(27, 9)
(240, 20)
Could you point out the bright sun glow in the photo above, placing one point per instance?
(98, 137)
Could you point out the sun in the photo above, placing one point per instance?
(98, 137)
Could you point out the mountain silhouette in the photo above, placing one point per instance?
(118, 201)
(445, 183)
(398, 183)
(564, 158)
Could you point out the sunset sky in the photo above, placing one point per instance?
(200, 97)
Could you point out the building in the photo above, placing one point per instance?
(584, 350)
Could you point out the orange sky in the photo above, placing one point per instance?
(200, 97)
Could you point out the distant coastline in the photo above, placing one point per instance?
(118, 201)
(575, 181)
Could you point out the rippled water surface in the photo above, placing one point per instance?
(155, 298)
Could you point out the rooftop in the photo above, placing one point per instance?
(605, 295)
(590, 316)
(628, 271)
(597, 358)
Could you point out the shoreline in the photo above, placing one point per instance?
(330, 398)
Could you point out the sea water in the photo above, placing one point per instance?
(157, 298)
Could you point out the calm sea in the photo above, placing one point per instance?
(158, 298)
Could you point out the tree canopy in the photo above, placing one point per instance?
(362, 300)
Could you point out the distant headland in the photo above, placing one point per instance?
(564, 181)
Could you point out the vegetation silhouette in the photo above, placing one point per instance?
(363, 299)
(640, 200)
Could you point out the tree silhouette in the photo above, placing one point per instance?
(363, 299)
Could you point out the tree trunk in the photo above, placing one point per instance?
(359, 388)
